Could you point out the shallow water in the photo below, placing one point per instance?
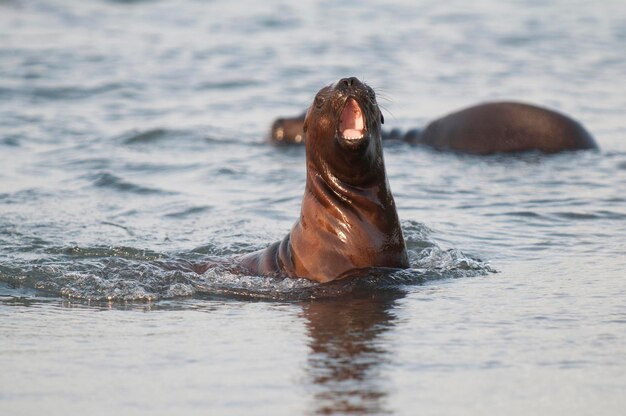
(132, 141)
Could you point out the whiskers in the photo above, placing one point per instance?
(382, 96)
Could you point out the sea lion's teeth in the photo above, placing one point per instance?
(353, 137)
(353, 134)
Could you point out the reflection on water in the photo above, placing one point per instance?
(348, 352)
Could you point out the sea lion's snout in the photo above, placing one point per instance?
(353, 107)
(349, 82)
(349, 87)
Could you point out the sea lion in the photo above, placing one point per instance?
(498, 127)
(348, 218)
(504, 127)
(288, 130)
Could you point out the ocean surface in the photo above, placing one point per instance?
(133, 141)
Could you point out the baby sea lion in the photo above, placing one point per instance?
(348, 218)
(499, 127)
(288, 130)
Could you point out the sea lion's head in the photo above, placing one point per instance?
(287, 130)
(343, 132)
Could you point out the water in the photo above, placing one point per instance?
(131, 143)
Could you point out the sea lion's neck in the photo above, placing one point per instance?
(331, 191)
(348, 227)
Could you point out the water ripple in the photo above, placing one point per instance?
(192, 211)
(130, 274)
(610, 215)
(227, 85)
(110, 181)
(148, 136)
(67, 92)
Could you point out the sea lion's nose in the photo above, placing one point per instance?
(349, 82)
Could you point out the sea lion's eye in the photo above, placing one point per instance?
(382, 118)
(319, 101)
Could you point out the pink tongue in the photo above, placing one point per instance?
(351, 124)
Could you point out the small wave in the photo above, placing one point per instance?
(591, 215)
(118, 280)
(216, 283)
(86, 163)
(129, 1)
(101, 252)
(228, 247)
(525, 214)
(222, 282)
(11, 141)
(439, 263)
(431, 261)
(180, 137)
(417, 235)
(155, 135)
(148, 136)
(188, 212)
(227, 85)
(108, 180)
(74, 92)
(29, 194)
(517, 40)
(124, 274)
(579, 216)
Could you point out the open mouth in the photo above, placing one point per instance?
(352, 122)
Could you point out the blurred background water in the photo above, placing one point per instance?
(132, 136)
